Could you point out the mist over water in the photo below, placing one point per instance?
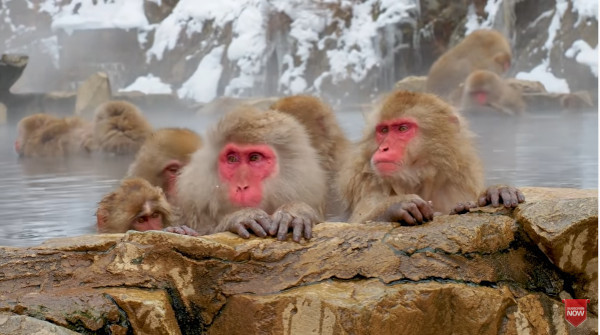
(46, 198)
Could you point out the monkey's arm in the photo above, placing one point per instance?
(409, 209)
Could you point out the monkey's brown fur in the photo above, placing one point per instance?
(481, 50)
(326, 137)
(441, 164)
(135, 196)
(42, 135)
(203, 199)
(120, 128)
(160, 148)
(501, 96)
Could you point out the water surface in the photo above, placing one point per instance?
(45, 198)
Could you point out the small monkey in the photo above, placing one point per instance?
(486, 90)
(43, 135)
(120, 128)
(483, 49)
(134, 205)
(162, 156)
(416, 158)
(257, 172)
(326, 137)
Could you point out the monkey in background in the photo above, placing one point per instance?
(134, 205)
(483, 49)
(257, 172)
(326, 137)
(162, 156)
(120, 128)
(416, 158)
(43, 135)
(485, 90)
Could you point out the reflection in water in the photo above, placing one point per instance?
(44, 198)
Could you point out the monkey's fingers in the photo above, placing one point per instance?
(413, 209)
(507, 197)
(426, 209)
(297, 225)
(266, 223)
(460, 208)
(308, 224)
(520, 196)
(256, 228)
(238, 228)
(284, 226)
(494, 196)
(405, 217)
(188, 231)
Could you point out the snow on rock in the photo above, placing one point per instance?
(149, 85)
(584, 54)
(542, 74)
(84, 14)
(586, 8)
(202, 85)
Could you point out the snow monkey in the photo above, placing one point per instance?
(43, 135)
(416, 158)
(485, 90)
(134, 205)
(326, 137)
(257, 172)
(162, 156)
(483, 49)
(120, 128)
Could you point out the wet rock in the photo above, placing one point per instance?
(485, 272)
(15, 324)
(91, 94)
(11, 68)
(3, 114)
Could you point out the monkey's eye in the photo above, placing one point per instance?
(231, 158)
(141, 219)
(403, 127)
(255, 157)
(383, 129)
(155, 215)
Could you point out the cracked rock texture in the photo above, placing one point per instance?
(491, 271)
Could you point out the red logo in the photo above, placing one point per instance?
(576, 310)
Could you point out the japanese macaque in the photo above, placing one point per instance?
(256, 172)
(134, 205)
(43, 135)
(120, 128)
(326, 137)
(416, 158)
(484, 90)
(164, 153)
(481, 50)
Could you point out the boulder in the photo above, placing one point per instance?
(491, 271)
(11, 68)
(91, 94)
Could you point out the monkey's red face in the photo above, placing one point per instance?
(170, 173)
(392, 137)
(480, 97)
(243, 168)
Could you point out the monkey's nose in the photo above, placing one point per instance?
(242, 188)
(384, 149)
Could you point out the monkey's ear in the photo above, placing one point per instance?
(101, 218)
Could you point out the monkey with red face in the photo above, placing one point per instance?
(417, 158)
(256, 173)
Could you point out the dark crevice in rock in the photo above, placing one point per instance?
(123, 316)
(189, 320)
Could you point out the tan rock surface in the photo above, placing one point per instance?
(92, 93)
(477, 273)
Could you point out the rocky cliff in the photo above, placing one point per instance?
(486, 272)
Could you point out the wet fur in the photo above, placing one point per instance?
(42, 135)
(120, 128)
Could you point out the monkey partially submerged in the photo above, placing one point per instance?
(416, 158)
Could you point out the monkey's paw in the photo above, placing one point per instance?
(298, 216)
(495, 195)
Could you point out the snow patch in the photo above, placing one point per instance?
(586, 8)
(542, 74)
(202, 85)
(149, 85)
(584, 54)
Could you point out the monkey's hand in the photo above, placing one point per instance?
(463, 207)
(296, 215)
(411, 211)
(245, 220)
(182, 230)
(509, 196)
